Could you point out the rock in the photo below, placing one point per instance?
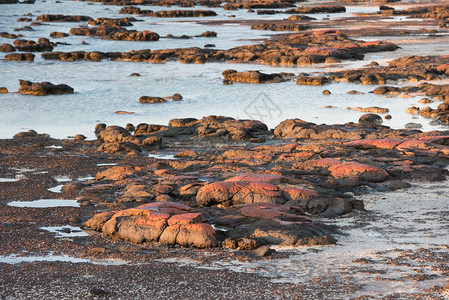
(62, 18)
(372, 109)
(113, 134)
(326, 92)
(182, 13)
(148, 99)
(98, 292)
(186, 122)
(319, 80)
(247, 244)
(229, 193)
(114, 32)
(355, 169)
(153, 141)
(279, 27)
(176, 97)
(425, 101)
(20, 57)
(165, 222)
(130, 127)
(251, 77)
(382, 90)
(371, 119)
(300, 18)
(413, 126)
(414, 110)
(80, 137)
(316, 9)
(135, 74)
(120, 147)
(43, 88)
(56, 34)
(208, 34)
(3, 90)
(27, 134)
(7, 48)
(354, 92)
(263, 251)
(31, 46)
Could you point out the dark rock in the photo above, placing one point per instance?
(371, 119)
(43, 88)
(148, 99)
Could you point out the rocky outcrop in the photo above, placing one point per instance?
(167, 223)
(62, 18)
(42, 45)
(251, 77)
(229, 193)
(121, 22)
(43, 88)
(20, 57)
(318, 80)
(115, 33)
(292, 50)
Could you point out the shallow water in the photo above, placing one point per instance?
(56, 189)
(102, 88)
(397, 225)
(66, 231)
(17, 259)
(45, 203)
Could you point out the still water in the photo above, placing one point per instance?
(102, 88)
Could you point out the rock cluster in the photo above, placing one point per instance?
(297, 49)
(251, 77)
(251, 195)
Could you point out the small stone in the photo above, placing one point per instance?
(326, 92)
(134, 74)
